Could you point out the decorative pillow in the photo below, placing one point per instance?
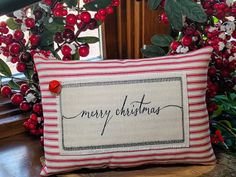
(124, 113)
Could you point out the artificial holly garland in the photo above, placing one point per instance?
(49, 28)
(198, 24)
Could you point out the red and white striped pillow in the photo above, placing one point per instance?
(193, 64)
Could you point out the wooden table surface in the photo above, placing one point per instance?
(20, 157)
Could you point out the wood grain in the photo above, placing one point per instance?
(131, 27)
(20, 157)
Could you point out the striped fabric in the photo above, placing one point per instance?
(193, 64)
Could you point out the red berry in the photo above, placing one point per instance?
(102, 12)
(6, 90)
(85, 17)
(18, 35)
(15, 49)
(37, 108)
(26, 125)
(68, 35)
(116, 3)
(21, 67)
(218, 63)
(83, 50)
(24, 106)
(29, 22)
(174, 45)
(32, 127)
(34, 118)
(34, 39)
(58, 38)
(14, 59)
(211, 71)
(48, 2)
(24, 88)
(66, 50)
(17, 98)
(232, 65)
(3, 24)
(224, 73)
(64, 12)
(164, 18)
(5, 30)
(109, 10)
(186, 40)
(25, 57)
(71, 19)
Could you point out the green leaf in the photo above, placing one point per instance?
(192, 10)
(28, 73)
(162, 40)
(88, 39)
(152, 51)
(227, 123)
(13, 85)
(56, 26)
(232, 96)
(4, 69)
(97, 5)
(217, 112)
(215, 20)
(46, 39)
(153, 4)
(75, 56)
(71, 3)
(12, 24)
(174, 14)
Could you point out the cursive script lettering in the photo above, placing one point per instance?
(132, 109)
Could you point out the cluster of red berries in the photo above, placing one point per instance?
(14, 47)
(27, 100)
(3, 28)
(217, 137)
(19, 47)
(59, 10)
(75, 24)
(221, 36)
(220, 9)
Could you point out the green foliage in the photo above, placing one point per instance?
(174, 14)
(153, 51)
(13, 85)
(192, 10)
(46, 39)
(226, 124)
(28, 73)
(227, 103)
(4, 69)
(88, 39)
(12, 24)
(75, 56)
(162, 40)
(176, 10)
(57, 25)
(153, 4)
(71, 3)
(97, 5)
